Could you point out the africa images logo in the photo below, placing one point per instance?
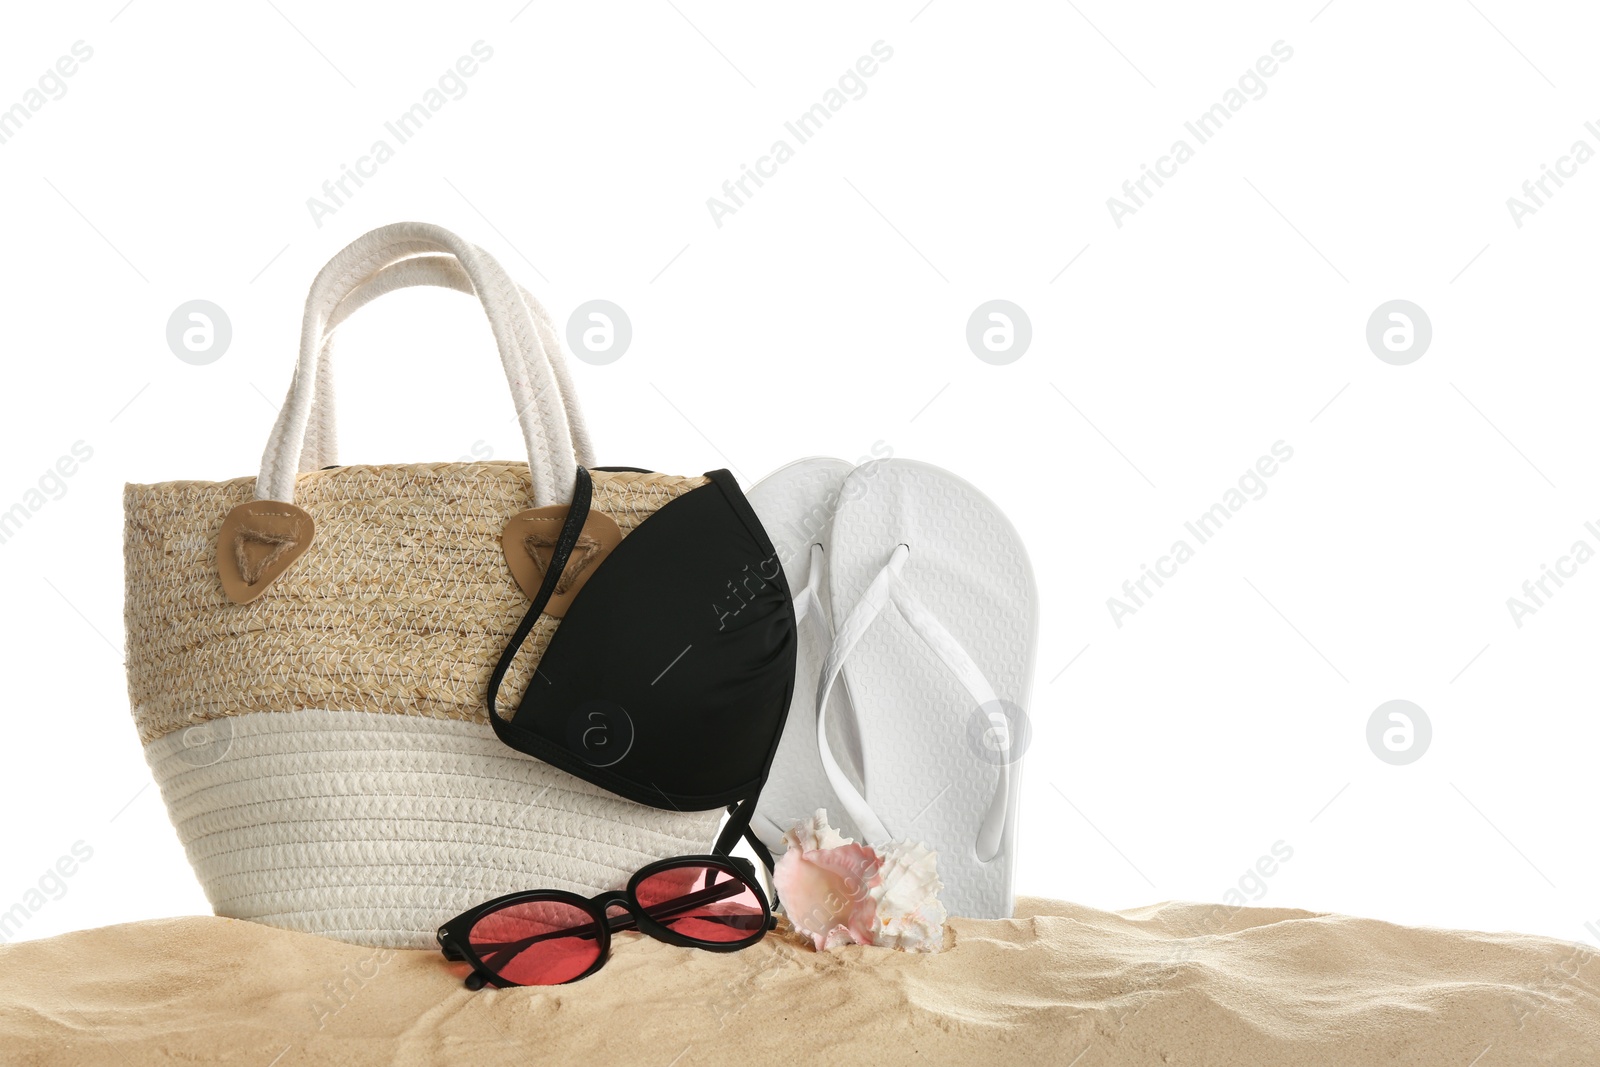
(851, 85)
(1252, 85)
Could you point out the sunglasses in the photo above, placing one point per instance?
(549, 937)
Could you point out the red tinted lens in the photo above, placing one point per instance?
(706, 903)
(538, 942)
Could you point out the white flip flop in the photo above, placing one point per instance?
(796, 504)
(936, 618)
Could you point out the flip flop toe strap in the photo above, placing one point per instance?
(890, 587)
(808, 601)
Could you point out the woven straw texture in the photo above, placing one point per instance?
(374, 829)
(402, 604)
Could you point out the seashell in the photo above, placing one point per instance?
(825, 882)
(814, 833)
(908, 913)
(837, 892)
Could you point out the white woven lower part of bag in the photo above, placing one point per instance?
(374, 828)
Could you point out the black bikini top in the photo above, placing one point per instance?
(669, 678)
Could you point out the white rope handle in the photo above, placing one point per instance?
(322, 445)
(534, 388)
(512, 321)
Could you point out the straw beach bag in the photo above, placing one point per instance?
(309, 649)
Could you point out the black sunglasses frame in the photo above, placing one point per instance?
(455, 942)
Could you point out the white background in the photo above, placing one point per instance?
(829, 313)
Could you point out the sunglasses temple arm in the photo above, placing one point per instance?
(666, 910)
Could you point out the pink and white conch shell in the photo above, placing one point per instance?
(837, 892)
(909, 915)
(825, 881)
(814, 833)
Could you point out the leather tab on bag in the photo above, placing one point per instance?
(530, 539)
(260, 539)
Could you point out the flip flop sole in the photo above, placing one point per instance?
(931, 764)
(796, 504)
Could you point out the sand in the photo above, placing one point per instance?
(1171, 984)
